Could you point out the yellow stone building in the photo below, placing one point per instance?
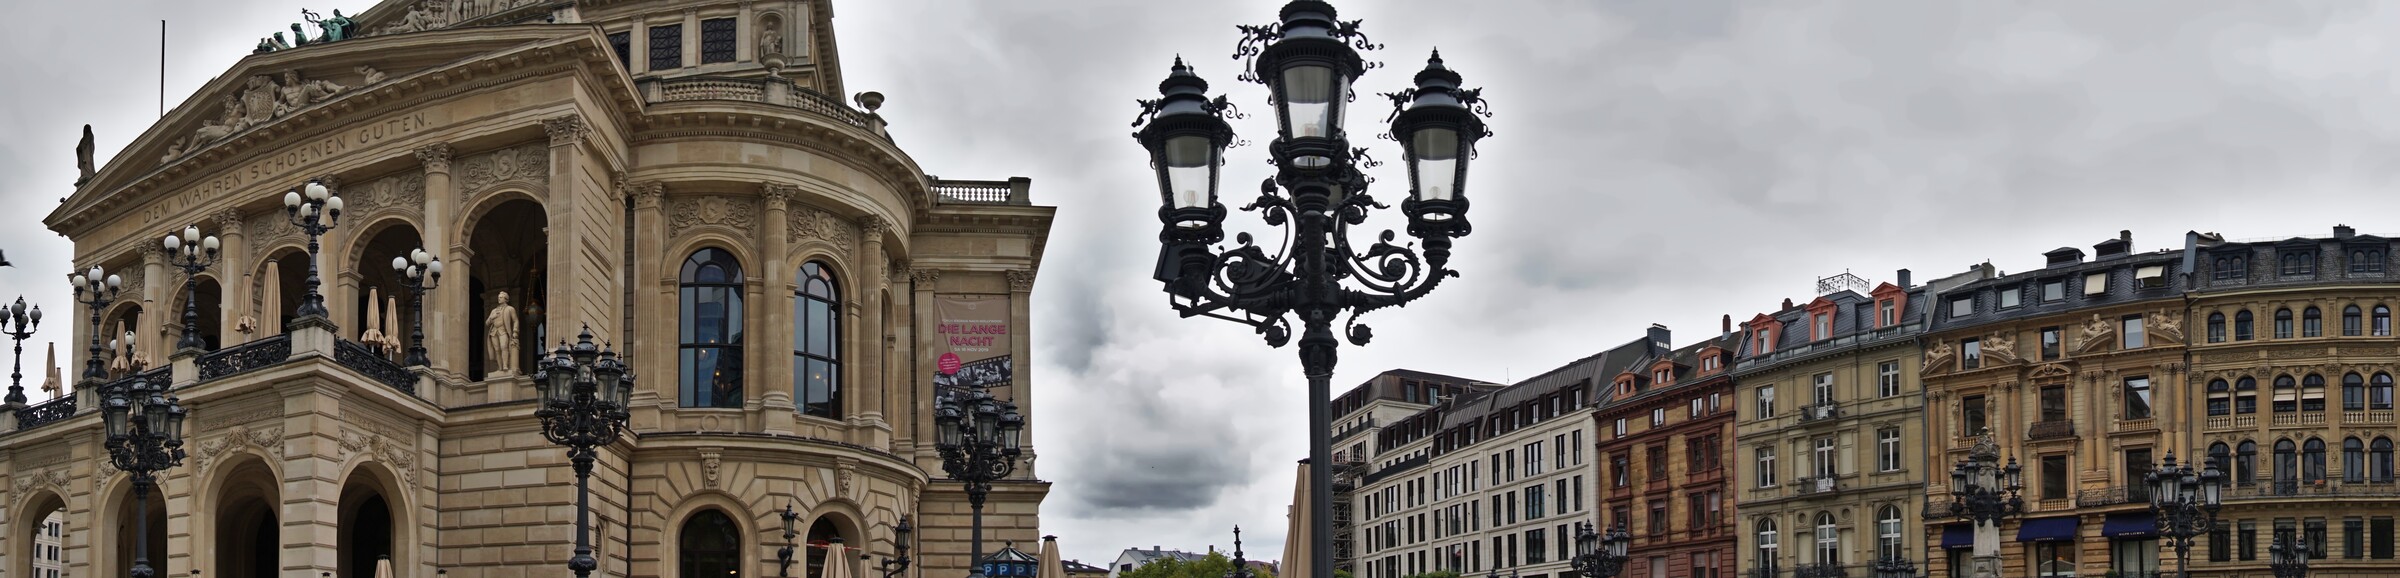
(681, 176)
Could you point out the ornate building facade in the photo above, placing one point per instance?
(1830, 453)
(2293, 370)
(678, 176)
(2063, 366)
(1662, 431)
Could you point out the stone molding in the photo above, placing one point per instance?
(529, 162)
(565, 130)
(435, 157)
(687, 212)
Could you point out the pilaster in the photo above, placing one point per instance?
(233, 278)
(312, 462)
(1020, 305)
(151, 340)
(921, 283)
(772, 368)
(653, 305)
(875, 402)
(444, 304)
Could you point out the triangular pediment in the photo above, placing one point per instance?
(268, 98)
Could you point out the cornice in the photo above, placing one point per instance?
(723, 119)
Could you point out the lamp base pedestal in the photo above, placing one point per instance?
(1986, 567)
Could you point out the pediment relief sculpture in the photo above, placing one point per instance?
(2096, 333)
(262, 98)
(2000, 348)
(2166, 325)
(1938, 358)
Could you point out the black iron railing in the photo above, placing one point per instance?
(2112, 495)
(43, 413)
(366, 362)
(246, 357)
(1938, 509)
(1821, 412)
(1820, 571)
(2051, 430)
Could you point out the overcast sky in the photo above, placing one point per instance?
(1664, 161)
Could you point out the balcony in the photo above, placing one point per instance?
(2113, 495)
(1816, 486)
(982, 192)
(2300, 418)
(2240, 421)
(2367, 417)
(2287, 489)
(1938, 509)
(1823, 411)
(2050, 430)
(1820, 571)
(2137, 425)
(769, 91)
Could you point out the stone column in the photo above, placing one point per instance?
(445, 304)
(921, 282)
(574, 298)
(653, 351)
(770, 368)
(158, 294)
(902, 388)
(875, 401)
(337, 283)
(233, 279)
(1020, 305)
(312, 474)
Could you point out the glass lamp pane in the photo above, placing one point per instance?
(1313, 100)
(1190, 163)
(1437, 157)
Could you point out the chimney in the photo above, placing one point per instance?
(1728, 323)
(1903, 277)
(2343, 231)
(1787, 304)
(1661, 341)
(1989, 272)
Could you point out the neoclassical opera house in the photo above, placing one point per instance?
(686, 178)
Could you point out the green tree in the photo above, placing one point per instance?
(1215, 565)
(1341, 574)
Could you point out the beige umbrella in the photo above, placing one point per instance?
(383, 567)
(372, 334)
(391, 325)
(1051, 568)
(837, 561)
(270, 301)
(1295, 539)
(52, 384)
(118, 362)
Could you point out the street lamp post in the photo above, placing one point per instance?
(1984, 492)
(313, 208)
(1598, 556)
(585, 393)
(1307, 62)
(192, 254)
(145, 436)
(1895, 568)
(2289, 560)
(2185, 502)
(791, 530)
(95, 289)
(419, 272)
(979, 439)
(901, 534)
(19, 324)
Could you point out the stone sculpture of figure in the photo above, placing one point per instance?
(300, 36)
(291, 94)
(371, 75)
(83, 156)
(174, 150)
(338, 27)
(263, 46)
(771, 42)
(2096, 329)
(500, 339)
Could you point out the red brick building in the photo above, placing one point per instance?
(1664, 428)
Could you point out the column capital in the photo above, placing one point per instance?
(870, 228)
(565, 130)
(228, 221)
(1020, 280)
(435, 157)
(646, 194)
(777, 195)
(925, 278)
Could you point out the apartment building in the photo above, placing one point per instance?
(1362, 412)
(1663, 429)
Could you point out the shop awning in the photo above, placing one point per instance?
(1958, 536)
(2129, 525)
(2061, 528)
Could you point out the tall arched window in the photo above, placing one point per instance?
(2245, 463)
(2379, 392)
(1887, 533)
(2312, 322)
(2312, 461)
(816, 342)
(711, 546)
(1829, 540)
(2216, 327)
(2220, 456)
(1767, 543)
(2241, 326)
(2379, 465)
(2283, 323)
(2383, 320)
(711, 322)
(2312, 393)
(2287, 396)
(2354, 392)
(2350, 321)
(2354, 460)
(2287, 465)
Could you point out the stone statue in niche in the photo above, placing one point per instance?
(770, 42)
(500, 340)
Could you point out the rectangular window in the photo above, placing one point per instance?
(2314, 530)
(1887, 446)
(716, 40)
(2220, 544)
(2133, 332)
(1970, 353)
(2011, 297)
(1766, 467)
(2354, 538)
(1576, 439)
(2246, 544)
(1578, 493)
(1658, 517)
(1534, 551)
(1825, 458)
(622, 43)
(1766, 401)
(1824, 388)
(2054, 290)
(1622, 469)
(2137, 397)
(2054, 403)
(2050, 343)
(1888, 313)
(2379, 538)
(1658, 462)
(1962, 306)
(2054, 477)
(1888, 378)
(2151, 277)
(1558, 450)
(666, 47)
(1971, 416)
(2095, 284)
(1658, 417)
(1620, 427)
(1533, 502)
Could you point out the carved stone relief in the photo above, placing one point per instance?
(263, 98)
(709, 467)
(269, 440)
(267, 228)
(25, 482)
(529, 161)
(401, 457)
(808, 223)
(684, 213)
(403, 191)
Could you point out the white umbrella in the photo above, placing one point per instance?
(1050, 565)
(372, 334)
(391, 325)
(1295, 550)
(53, 384)
(270, 308)
(837, 561)
(383, 568)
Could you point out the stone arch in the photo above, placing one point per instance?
(25, 533)
(848, 343)
(493, 258)
(697, 239)
(367, 261)
(745, 353)
(291, 261)
(832, 517)
(670, 547)
(374, 517)
(211, 298)
(239, 508)
(481, 205)
(110, 553)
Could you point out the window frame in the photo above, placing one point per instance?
(817, 285)
(733, 324)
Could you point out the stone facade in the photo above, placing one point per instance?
(1359, 415)
(568, 155)
(1662, 432)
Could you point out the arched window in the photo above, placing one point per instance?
(2383, 320)
(2354, 392)
(2220, 455)
(2216, 327)
(816, 342)
(2241, 326)
(2354, 460)
(2283, 323)
(711, 546)
(2286, 399)
(2287, 465)
(1887, 533)
(2220, 397)
(2312, 393)
(820, 537)
(2380, 464)
(2350, 321)
(711, 319)
(2379, 392)
(2312, 461)
(2245, 395)
(2312, 322)
(1766, 543)
(1829, 540)
(2366, 261)
(2245, 463)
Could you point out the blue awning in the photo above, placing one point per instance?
(1957, 536)
(2061, 528)
(2129, 525)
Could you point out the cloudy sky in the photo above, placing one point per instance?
(1656, 161)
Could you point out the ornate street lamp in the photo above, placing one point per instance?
(791, 529)
(1984, 492)
(419, 272)
(313, 210)
(1895, 568)
(95, 290)
(192, 254)
(979, 439)
(901, 535)
(19, 323)
(2289, 560)
(145, 436)
(1308, 61)
(1597, 556)
(1241, 566)
(2185, 502)
(585, 393)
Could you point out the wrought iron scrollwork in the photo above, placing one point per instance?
(366, 362)
(44, 413)
(244, 358)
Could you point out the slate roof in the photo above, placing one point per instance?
(1853, 327)
(2208, 254)
(2121, 289)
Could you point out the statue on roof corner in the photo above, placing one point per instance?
(83, 157)
(336, 28)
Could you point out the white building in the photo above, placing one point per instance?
(46, 560)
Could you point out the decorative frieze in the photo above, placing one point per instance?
(685, 213)
(527, 162)
(404, 192)
(809, 223)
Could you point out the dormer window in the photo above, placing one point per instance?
(1766, 342)
(2366, 261)
(2229, 268)
(2010, 298)
(1662, 377)
(2150, 277)
(2054, 290)
(1823, 326)
(2096, 283)
(2298, 263)
(1887, 313)
(1962, 306)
